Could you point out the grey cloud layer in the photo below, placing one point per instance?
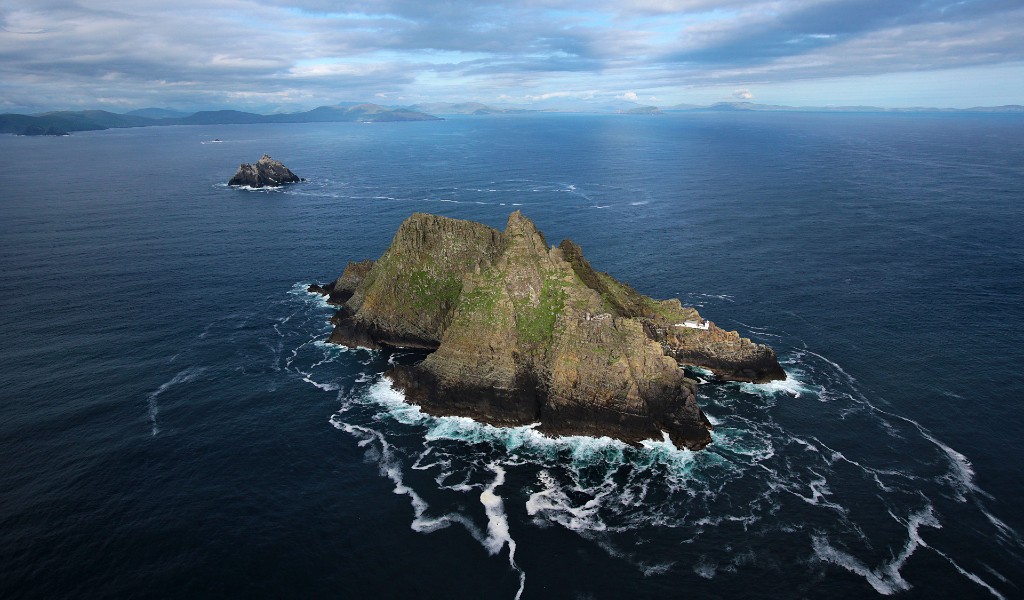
(281, 55)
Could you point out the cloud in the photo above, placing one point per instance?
(278, 54)
(631, 96)
(582, 95)
(742, 95)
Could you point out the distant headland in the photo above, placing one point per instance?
(62, 122)
(523, 333)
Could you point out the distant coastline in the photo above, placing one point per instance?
(65, 122)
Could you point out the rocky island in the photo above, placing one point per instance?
(266, 172)
(522, 333)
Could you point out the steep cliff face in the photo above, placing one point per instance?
(523, 333)
(409, 295)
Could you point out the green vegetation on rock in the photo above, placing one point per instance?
(523, 332)
(536, 323)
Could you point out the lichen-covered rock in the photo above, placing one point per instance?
(266, 172)
(522, 333)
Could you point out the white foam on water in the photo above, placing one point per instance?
(819, 494)
(391, 468)
(247, 188)
(553, 504)
(790, 386)
(756, 328)
(726, 297)
(972, 576)
(705, 568)
(498, 535)
(1005, 529)
(700, 371)
(755, 445)
(807, 445)
(961, 474)
(834, 456)
(886, 579)
(656, 569)
(680, 460)
(582, 449)
(835, 366)
(327, 387)
(184, 376)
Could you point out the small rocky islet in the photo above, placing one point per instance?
(266, 172)
(521, 333)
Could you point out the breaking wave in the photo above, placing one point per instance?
(770, 479)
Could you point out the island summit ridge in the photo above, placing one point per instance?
(521, 333)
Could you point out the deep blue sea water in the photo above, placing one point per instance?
(172, 424)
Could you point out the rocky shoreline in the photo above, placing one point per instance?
(523, 333)
(266, 172)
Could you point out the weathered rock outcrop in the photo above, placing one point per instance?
(266, 172)
(522, 333)
(341, 289)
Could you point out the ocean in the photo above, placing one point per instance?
(173, 424)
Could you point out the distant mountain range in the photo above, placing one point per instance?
(752, 106)
(64, 122)
(464, 108)
(627, 107)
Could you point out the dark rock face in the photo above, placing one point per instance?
(266, 172)
(522, 333)
(519, 405)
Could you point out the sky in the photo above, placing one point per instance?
(271, 56)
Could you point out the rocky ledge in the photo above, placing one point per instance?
(266, 172)
(522, 333)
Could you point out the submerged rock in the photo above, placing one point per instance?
(523, 333)
(266, 172)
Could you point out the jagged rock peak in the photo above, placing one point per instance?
(521, 333)
(518, 222)
(266, 172)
